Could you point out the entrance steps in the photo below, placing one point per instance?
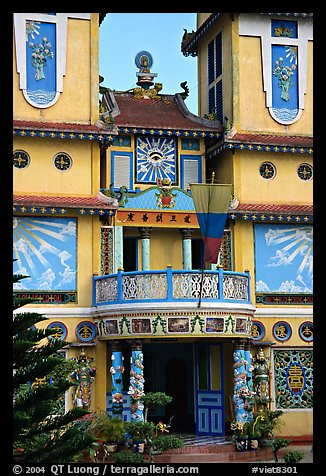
(217, 452)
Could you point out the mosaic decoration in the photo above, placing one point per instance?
(293, 378)
(287, 251)
(40, 40)
(62, 211)
(85, 331)
(288, 299)
(243, 394)
(266, 148)
(45, 250)
(155, 159)
(106, 250)
(121, 141)
(257, 330)
(48, 297)
(284, 77)
(305, 172)
(190, 144)
(62, 135)
(306, 331)
(61, 331)
(199, 324)
(282, 331)
(169, 132)
(21, 159)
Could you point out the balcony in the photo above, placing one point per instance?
(172, 304)
(171, 286)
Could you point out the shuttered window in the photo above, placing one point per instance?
(211, 69)
(218, 55)
(219, 102)
(190, 170)
(121, 170)
(215, 90)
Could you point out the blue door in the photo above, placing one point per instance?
(209, 395)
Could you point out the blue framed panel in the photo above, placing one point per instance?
(126, 412)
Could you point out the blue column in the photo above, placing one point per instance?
(186, 247)
(116, 371)
(145, 247)
(242, 396)
(136, 387)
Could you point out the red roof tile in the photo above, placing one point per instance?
(274, 208)
(90, 201)
(266, 139)
(59, 127)
(162, 113)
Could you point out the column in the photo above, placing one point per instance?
(118, 248)
(136, 387)
(242, 369)
(100, 381)
(186, 247)
(116, 371)
(145, 247)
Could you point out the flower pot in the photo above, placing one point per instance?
(246, 444)
(139, 447)
(111, 447)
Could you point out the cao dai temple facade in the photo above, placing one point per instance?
(106, 228)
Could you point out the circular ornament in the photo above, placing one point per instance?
(62, 161)
(61, 330)
(85, 331)
(267, 170)
(257, 330)
(282, 331)
(21, 159)
(305, 172)
(306, 331)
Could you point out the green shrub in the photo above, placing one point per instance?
(167, 442)
(128, 457)
(277, 444)
(293, 456)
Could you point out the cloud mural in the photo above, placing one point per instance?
(284, 258)
(45, 250)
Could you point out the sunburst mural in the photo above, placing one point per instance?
(284, 258)
(45, 249)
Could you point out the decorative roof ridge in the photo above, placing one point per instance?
(192, 117)
(28, 124)
(259, 207)
(190, 40)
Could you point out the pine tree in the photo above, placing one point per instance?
(41, 433)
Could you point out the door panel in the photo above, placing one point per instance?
(209, 390)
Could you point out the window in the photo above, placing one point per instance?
(191, 171)
(62, 161)
(121, 169)
(130, 253)
(21, 159)
(214, 74)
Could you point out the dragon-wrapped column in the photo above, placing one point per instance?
(116, 370)
(136, 387)
(243, 394)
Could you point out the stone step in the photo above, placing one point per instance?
(222, 455)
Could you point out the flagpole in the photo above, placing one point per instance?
(203, 263)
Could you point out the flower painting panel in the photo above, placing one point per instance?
(284, 258)
(45, 250)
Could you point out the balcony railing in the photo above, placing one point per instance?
(171, 286)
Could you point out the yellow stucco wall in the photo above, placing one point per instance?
(285, 187)
(41, 176)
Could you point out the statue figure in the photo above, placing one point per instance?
(261, 375)
(84, 376)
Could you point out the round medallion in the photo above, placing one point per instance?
(267, 170)
(305, 172)
(282, 331)
(257, 330)
(62, 161)
(306, 331)
(60, 331)
(85, 331)
(21, 159)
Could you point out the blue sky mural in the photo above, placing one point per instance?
(284, 258)
(45, 250)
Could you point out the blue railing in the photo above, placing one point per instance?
(171, 286)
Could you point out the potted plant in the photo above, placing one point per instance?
(154, 398)
(139, 433)
(277, 444)
(108, 432)
(271, 423)
(247, 434)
